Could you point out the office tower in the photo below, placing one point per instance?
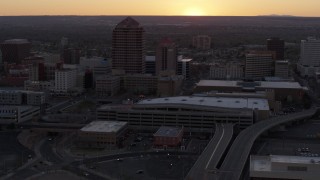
(15, 50)
(71, 56)
(309, 62)
(184, 67)
(276, 45)
(166, 56)
(201, 42)
(259, 64)
(281, 69)
(128, 46)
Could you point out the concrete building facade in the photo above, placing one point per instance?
(65, 79)
(195, 114)
(17, 114)
(309, 62)
(102, 134)
(22, 98)
(259, 65)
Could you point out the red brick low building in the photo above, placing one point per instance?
(168, 137)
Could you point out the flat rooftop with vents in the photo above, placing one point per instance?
(104, 126)
(222, 102)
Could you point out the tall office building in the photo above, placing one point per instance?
(15, 50)
(259, 64)
(184, 67)
(166, 56)
(309, 62)
(128, 46)
(276, 45)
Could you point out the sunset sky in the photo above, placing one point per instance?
(161, 7)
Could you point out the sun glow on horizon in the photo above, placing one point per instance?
(194, 12)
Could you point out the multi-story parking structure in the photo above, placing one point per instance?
(195, 114)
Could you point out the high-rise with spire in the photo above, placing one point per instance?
(128, 46)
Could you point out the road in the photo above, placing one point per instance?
(63, 105)
(212, 154)
(233, 164)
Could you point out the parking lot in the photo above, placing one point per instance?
(164, 167)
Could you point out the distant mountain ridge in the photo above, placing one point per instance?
(278, 15)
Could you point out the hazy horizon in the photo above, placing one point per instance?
(307, 8)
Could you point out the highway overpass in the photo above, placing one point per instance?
(235, 160)
(212, 154)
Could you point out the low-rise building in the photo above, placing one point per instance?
(168, 137)
(283, 90)
(102, 134)
(17, 114)
(284, 167)
(22, 98)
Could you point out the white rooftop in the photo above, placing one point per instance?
(287, 85)
(216, 83)
(264, 163)
(222, 102)
(103, 126)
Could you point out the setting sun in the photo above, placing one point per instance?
(193, 12)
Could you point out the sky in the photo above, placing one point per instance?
(161, 7)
